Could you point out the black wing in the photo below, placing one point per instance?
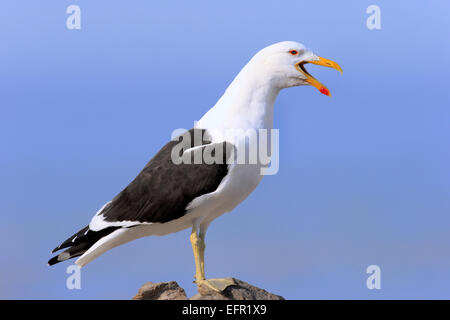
(160, 193)
(163, 189)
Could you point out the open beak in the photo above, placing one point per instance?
(313, 81)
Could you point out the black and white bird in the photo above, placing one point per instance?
(167, 196)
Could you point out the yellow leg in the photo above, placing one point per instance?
(198, 246)
(202, 252)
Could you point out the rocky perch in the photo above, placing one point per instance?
(172, 291)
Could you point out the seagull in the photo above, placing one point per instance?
(168, 196)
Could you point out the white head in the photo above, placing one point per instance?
(283, 64)
(249, 100)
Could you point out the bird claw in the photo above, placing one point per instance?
(217, 284)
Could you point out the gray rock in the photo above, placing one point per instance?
(172, 291)
(241, 291)
(161, 291)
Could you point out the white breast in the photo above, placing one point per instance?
(247, 104)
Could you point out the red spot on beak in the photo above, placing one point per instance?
(325, 91)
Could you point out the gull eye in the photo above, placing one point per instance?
(293, 52)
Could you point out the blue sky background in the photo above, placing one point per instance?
(364, 176)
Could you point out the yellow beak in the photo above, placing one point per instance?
(313, 81)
